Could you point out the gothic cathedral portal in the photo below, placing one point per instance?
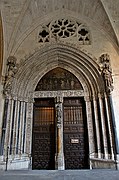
(60, 138)
(57, 114)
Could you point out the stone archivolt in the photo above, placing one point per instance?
(59, 55)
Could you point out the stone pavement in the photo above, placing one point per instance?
(59, 175)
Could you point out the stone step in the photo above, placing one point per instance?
(59, 175)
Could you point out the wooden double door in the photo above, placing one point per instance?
(74, 134)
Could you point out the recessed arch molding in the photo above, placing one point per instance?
(20, 92)
(57, 55)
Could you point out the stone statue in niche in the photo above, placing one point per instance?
(10, 72)
(106, 72)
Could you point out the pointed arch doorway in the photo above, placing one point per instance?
(60, 139)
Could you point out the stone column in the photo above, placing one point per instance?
(21, 128)
(115, 134)
(15, 128)
(97, 126)
(10, 129)
(90, 129)
(8, 125)
(104, 134)
(26, 107)
(3, 125)
(2, 106)
(59, 157)
(109, 125)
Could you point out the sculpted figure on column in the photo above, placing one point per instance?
(58, 114)
(10, 72)
(106, 72)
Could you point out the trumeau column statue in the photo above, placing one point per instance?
(59, 157)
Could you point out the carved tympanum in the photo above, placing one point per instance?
(59, 79)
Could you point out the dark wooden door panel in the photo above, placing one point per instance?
(75, 139)
(43, 147)
(74, 151)
(44, 151)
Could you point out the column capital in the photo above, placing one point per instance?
(87, 98)
(59, 99)
(95, 97)
(100, 95)
(106, 95)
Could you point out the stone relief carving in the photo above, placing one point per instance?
(59, 79)
(106, 72)
(68, 93)
(10, 72)
(59, 113)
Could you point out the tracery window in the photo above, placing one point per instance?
(65, 29)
